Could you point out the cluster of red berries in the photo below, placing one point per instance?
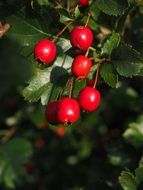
(67, 110)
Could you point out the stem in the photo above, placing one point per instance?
(91, 58)
(8, 135)
(32, 4)
(88, 18)
(68, 5)
(4, 28)
(71, 87)
(87, 52)
(60, 33)
(92, 48)
(63, 89)
(96, 76)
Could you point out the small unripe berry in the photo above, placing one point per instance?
(60, 132)
(84, 2)
(45, 51)
(81, 37)
(81, 66)
(68, 111)
(51, 113)
(89, 99)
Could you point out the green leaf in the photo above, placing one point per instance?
(41, 86)
(141, 72)
(128, 181)
(111, 43)
(78, 85)
(9, 177)
(12, 157)
(27, 33)
(139, 174)
(120, 25)
(109, 75)
(18, 146)
(131, 1)
(112, 7)
(127, 61)
(134, 133)
(76, 12)
(36, 89)
(64, 16)
(42, 2)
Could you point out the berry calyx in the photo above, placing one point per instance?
(81, 37)
(68, 111)
(81, 66)
(84, 2)
(45, 51)
(51, 113)
(89, 99)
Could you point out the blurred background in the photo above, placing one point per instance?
(89, 155)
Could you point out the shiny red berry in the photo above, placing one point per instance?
(51, 112)
(45, 51)
(81, 66)
(89, 99)
(81, 37)
(68, 110)
(84, 2)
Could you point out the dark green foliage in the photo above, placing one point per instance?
(103, 150)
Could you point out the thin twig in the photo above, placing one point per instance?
(96, 76)
(60, 33)
(92, 48)
(8, 135)
(87, 52)
(4, 28)
(71, 87)
(88, 18)
(68, 5)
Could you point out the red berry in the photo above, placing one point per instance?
(39, 143)
(43, 125)
(60, 132)
(28, 167)
(81, 66)
(45, 51)
(89, 99)
(51, 112)
(84, 2)
(68, 110)
(81, 37)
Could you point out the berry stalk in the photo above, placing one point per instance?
(87, 52)
(96, 76)
(60, 33)
(88, 18)
(71, 87)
